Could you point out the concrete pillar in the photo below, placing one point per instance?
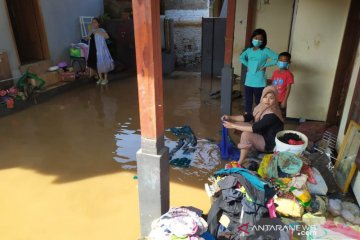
(227, 71)
(152, 158)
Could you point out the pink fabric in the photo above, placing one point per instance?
(85, 51)
(250, 140)
(340, 228)
(271, 206)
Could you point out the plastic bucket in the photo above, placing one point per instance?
(283, 147)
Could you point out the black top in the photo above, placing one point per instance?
(92, 58)
(268, 127)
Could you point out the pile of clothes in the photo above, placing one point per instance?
(242, 201)
(285, 190)
(292, 139)
(184, 223)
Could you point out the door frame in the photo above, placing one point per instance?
(345, 64)
(41, 28)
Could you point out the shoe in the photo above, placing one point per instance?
(104, 82)
(99, 81)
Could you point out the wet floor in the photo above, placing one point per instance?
(67, 166)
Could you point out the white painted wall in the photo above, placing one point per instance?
(239, 33)
(7, 41)
(318, 33)
(275, 19)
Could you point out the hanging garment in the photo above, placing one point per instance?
(105, 63)
(228, 150)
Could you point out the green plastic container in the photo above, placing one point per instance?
(75, 52)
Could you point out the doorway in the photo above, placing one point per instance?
(28, 29)
(345, 65)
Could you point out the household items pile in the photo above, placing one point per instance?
(242, 200)
(285, 185)
(29, 83)
(180, 223)
(9, 96)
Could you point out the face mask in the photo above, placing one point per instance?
(256, 43)
(282, 64)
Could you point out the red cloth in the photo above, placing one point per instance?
(280, 80)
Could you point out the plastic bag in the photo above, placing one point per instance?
(262, 171)
(320, 188)
(288, 207)
(335, 207)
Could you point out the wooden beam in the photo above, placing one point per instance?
(149, 67)
(229, 37)
(345, 64)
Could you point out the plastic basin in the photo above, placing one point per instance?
(283, 147)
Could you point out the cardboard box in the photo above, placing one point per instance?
(50, 78)
(39, 67)
(67, 76)
(5, 71)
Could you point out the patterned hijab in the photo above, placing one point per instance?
(261, 109)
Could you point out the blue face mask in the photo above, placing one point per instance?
(256, 43)
(282, 64)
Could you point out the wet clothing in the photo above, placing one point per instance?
(99, 56)
(92, 60)
(280, 80)
(241, 210)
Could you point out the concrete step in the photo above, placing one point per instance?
(37, 67)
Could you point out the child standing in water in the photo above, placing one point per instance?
(282, 79)
(255, 58)
(99, 58)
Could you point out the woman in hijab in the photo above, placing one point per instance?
(266, 122)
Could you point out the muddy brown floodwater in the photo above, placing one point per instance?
(67, 166)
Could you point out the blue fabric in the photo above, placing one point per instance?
(207, 236)
(187, 141)
(228, 150)
(256, 181)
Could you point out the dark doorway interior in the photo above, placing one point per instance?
(28, 29)
(345, 64)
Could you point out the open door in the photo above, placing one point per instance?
(28, 29)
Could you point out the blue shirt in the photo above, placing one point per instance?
(255, 61)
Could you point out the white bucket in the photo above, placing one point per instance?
(283, 147)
